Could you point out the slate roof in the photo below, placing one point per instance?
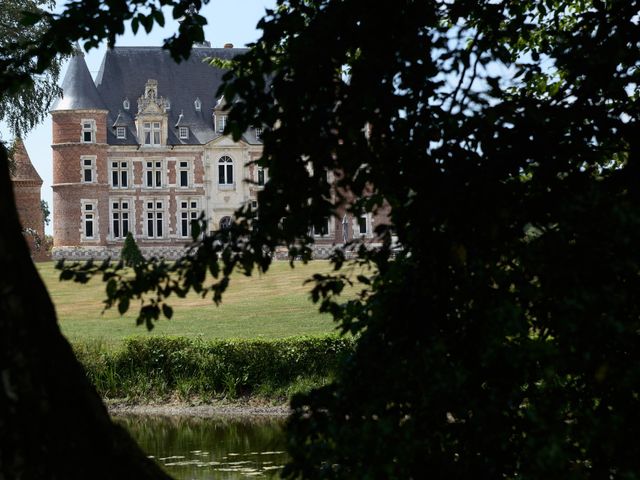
(24, 170)
(125, 71)
(79, 91)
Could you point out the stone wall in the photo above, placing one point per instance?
(175, 252)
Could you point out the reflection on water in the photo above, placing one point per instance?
(211, 448)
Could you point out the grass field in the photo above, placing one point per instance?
(274, 305)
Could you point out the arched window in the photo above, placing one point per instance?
(225, 171)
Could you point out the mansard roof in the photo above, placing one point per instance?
(125, 71)
(78, 90)
(24, 170)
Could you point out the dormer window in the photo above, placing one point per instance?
(221, 121)
(258, 133)
(126, 104)
(184, 133)
(167, 104)
(198, 104)
(121, 133)
(151, 132)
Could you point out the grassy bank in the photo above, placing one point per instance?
(274, 305)
(150, 369)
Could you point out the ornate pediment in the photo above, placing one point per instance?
(150, 103)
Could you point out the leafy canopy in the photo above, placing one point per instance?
(28, 103)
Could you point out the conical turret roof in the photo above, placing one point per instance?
(24, 170)
(78, 90)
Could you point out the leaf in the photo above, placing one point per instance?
(123, 305)
(195, 229)
(167, 311)
(112, 288)
(66, 274)
(159, 16)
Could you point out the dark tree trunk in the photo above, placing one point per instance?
(53, 424)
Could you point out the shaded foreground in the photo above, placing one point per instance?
(52, 422)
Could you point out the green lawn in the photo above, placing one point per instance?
(273, 305)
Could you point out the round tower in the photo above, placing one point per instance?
(27, 185)
(80, 183)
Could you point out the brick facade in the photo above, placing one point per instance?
(121, 163)
(27, 185)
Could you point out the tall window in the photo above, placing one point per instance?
(89, 220)
(364, 225)
(188, 212)
(120, 174)
(155, 219)
(225, 171)
(151, 131)
(261, 176)
(222, 122)
(153, 174)
(88, 131)
(120, 218)
(183, 173)
(88, 169)
(321, 229)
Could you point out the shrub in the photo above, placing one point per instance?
(162, 366)
(131, 254)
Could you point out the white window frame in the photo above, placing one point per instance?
(221, 122)
(329, 225)
(122, 169)
(121, 133)
(183, 133)
(184, 167)
(258, 133)
(88, 125)
(187, 210)
(88, 164)
(155, 212)
(261, 171)
(89, 214)
(121, 217)
(154, 131)
(226, 175)
(197, 104)
(157, 171)
(126, 104)
(365, 220)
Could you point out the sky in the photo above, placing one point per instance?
(229, 21)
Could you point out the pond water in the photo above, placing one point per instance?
(211, 448)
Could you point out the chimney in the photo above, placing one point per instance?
(228, 45)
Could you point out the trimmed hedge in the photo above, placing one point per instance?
(158, 367)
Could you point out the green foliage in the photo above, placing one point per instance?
(29, 104)
(159, 367)
(130, 253)
(46, 213)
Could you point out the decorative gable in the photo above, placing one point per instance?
(152, 117)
